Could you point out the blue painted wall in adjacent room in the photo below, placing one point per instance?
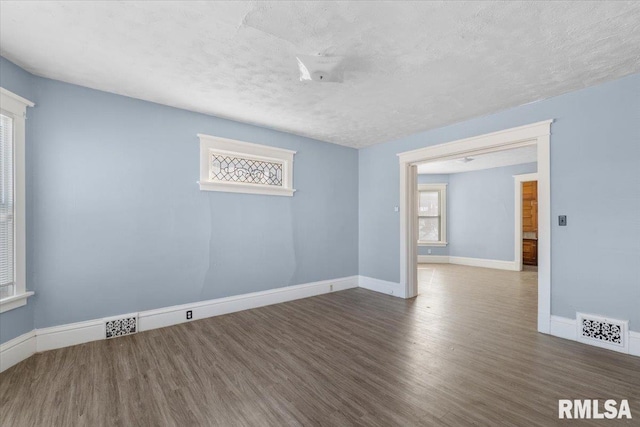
(594, 178)
(482, 212)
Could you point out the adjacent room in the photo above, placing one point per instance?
(477, 217)
(319, 213)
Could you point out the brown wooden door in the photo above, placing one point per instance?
(530, 207)
(530, 222)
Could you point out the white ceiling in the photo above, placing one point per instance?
(410, 66)
(515, 156)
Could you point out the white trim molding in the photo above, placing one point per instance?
(433, 259)
(472, 262)
(517, 232)
(564, 327)
(382, 286)
(71, 334)
(15, 106)
(533, 134)
(16, 350)
(442, 214)
(276, 182)
(484, 263)
(634, 343)
(14, 301)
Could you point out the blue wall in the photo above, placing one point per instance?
(118, 224)
(595, 180)
(482, 212)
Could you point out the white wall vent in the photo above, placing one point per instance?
(603, 332)
(121, 325)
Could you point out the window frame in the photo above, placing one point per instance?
(15, 106)
(210, 145)
(442, 205)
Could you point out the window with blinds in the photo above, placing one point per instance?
(7, 282)
(432, 214)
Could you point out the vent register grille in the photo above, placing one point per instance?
(121, 326)
(603, 332)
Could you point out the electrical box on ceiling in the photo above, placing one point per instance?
(324, 69)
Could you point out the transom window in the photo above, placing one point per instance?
(243, 167)
(432, 222)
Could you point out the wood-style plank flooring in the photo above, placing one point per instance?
(465, 352)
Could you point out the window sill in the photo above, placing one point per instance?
(433, 244)
(246, 188)
(15, 301)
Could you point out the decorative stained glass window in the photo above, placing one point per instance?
(237, 169)
(242, 167)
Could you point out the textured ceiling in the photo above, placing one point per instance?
(515, 156)
(410, 66)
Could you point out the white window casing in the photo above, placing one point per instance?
(242, 167)
(441, 189)
(13, 270)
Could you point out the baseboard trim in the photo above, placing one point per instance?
(38, 340)
(563, 327)
(168, 316)
(634, 343)
(69, 334)
(433, 259)
(485, 263)
(382, 286)
(16, 350)
(566, 328)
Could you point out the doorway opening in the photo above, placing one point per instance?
(536, 134)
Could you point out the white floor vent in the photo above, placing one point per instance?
(603, 332)
(121, 325)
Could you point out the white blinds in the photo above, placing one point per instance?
(6, 208)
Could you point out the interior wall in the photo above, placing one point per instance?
(482, 212)
(594, 173)
(117, 224)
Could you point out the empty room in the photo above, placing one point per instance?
(291, 213)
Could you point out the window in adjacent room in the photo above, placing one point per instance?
(12, 201)
(432, 223)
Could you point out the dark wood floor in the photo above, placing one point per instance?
(465, 352)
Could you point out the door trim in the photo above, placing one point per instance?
(518, 180)
(538, 134)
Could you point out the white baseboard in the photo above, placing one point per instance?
(634, 343)
(433, 259)
(382, 286)
(16, 350)
(485, 263)
(566, 328)
(168, 316)
(563, 327)
(67, 335)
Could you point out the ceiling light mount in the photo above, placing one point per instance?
(321, 69)
(466, 159)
